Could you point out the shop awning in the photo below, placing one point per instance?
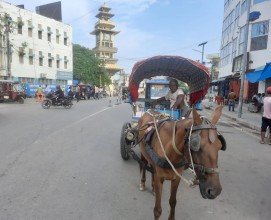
(217, 82)
(259, 74)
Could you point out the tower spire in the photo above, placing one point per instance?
(105, 34)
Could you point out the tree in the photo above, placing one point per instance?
(88, 68)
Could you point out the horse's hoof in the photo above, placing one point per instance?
(141, 187)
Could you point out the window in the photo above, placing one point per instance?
(30, 32)
(40, 30)
(65, 38)
(228, 24)
(50, 60)
(49, 37)
(20, 29)
(259, 36)
(237, 14)
(20, 24)
(21, 59)
(258, 1)
(57, 36)
(237, 63)
(31, 60)
(40, 34)
(57, 64)
(234, 48)
(49, 33)
(243, 6)
(41, 58)
(50, 63)
(41, 61)
(241, 40)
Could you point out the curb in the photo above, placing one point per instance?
(240, 121)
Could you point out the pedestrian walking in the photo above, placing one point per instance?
(266, 118)
(97, 90)
(46, 90)
(70, 92)
(231, 98)
(39, 95)
(77, 93)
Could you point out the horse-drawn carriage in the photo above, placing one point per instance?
(170, 143)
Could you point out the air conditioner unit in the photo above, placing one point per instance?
(43, 75)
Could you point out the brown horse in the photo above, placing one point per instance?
(197, 134)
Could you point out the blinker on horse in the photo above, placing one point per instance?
(177, 145)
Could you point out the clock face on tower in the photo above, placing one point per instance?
(106, 36)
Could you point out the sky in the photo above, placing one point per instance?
(147, 27)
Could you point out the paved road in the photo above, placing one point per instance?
(66, 164)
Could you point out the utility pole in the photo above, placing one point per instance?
(7, 19)
(202, 53)
(244, 63)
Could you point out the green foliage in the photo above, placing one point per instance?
(87, 68)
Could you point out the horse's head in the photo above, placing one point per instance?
(205, 144)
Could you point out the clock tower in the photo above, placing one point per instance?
(105, 33)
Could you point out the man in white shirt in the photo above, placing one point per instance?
(175, 95)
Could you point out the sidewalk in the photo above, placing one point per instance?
(248, 119)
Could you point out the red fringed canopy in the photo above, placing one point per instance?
(191, 72)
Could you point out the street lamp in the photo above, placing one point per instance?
(202, 53)
(250, 17)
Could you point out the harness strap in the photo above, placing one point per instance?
(204, 170)
(162, 162)
(203, 126)
(173, 141)
(135, 157)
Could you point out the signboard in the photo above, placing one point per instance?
(31, 88)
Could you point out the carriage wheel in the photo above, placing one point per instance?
(123, 142)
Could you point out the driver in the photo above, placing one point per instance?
(176, 97)
(59, 94)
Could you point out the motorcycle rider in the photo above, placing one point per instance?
(59, 94)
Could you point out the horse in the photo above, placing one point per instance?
(171, 143)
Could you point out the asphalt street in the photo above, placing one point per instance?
(66, 164)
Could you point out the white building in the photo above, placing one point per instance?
(41, 48)
(233, 38)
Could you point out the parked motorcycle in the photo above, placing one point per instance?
(51, 100)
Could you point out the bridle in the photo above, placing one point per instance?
(206, 124)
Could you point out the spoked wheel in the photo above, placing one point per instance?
(68, 104)
(21, 100)
(46, 104)
(123, 142)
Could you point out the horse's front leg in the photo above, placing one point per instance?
(142, 173)
(152, 182)
(158, 187)
(172, 199)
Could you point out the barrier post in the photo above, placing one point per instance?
(110, 103)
